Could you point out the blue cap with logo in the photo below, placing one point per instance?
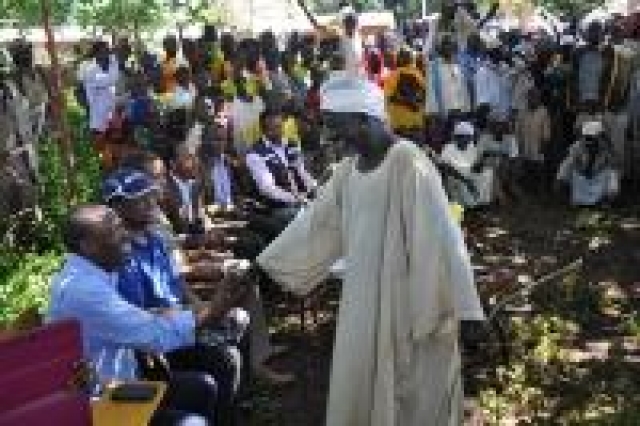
(128, 184)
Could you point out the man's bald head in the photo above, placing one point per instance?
(96, 232)
(82, 224)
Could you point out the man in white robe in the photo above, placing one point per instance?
(100, 79)
(476, 187)
(407, 282)
(589, 169)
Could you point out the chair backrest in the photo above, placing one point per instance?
(37, 369)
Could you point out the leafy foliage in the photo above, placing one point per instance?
(112, 15)
(571, 7)
(29, 12)
(25, 283)
(46, 231)
(121, 15)
(202, 11)
(27, 266)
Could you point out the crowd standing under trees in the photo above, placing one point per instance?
(223, 128)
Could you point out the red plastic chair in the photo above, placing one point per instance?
(38, 378)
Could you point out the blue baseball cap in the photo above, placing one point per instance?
(128, 184)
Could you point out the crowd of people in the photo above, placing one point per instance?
(218, 130)
(530, 99)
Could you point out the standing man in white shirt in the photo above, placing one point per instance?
(351, 43)
(278, 171)
(99, 79)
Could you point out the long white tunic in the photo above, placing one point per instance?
(588, 191)
(463, 161)
(100, 88)
(408, 282)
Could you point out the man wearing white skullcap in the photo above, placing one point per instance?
(345, 94)
(589, 170)
(407, 281)
(478, 179)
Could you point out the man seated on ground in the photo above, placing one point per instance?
(499, 147)
(112, 328)
(589, 170)
(278, 171)
(475, 185)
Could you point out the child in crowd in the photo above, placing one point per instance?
(500, 150)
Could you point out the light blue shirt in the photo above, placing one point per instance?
(493, 88)
(589, 75)
(112, 329)
(221, 182)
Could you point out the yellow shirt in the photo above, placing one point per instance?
(230, 91)
(251, 133)
(290, 130)
(218, 65)
(400, 116)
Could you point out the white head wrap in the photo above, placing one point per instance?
(592, 128)
(464, 128)
(490, 41)
(345, 92)
(347, 11)
(567, 40)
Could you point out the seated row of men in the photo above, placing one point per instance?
(487, 168)
(206, 172)
(122, 282)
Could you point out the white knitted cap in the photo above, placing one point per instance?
(344, 92)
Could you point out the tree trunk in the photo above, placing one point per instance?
(139, 47)
(57, 104)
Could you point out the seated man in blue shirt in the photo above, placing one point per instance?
(151, 280)
(152, 277)
(113, 329)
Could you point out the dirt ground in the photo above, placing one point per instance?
(510, 247)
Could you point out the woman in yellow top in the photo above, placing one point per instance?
(404, 90)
